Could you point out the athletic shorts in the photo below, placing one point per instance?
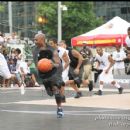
(72, 75)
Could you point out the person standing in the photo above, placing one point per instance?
(119, 56)
(127, 64)
(127, 40)
(52, 80)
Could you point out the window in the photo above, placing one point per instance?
(125, 10)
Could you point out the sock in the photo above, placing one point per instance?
(101, 87)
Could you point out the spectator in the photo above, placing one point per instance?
(13, 39)
(25, 71)
(15, 75)
(12, 54)
(87, 65)
(127, 64)
(2, 40)
(127, 40)
(118, 56)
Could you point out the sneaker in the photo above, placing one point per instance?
(90, 86)
(36, 84)
(78, 95)
(60, 113)
(99, 92)
(120, 90)
(63, 99)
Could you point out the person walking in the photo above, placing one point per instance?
(87, 66)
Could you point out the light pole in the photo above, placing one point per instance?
(10, 16)
(60, 8)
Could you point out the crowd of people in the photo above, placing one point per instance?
(14, 69)
(70, 67)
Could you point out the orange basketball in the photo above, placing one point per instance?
(44, 65)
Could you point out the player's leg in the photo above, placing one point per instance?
(58, 98)
(87, 76)
(120, 89)
(48, 88)
(74, 82)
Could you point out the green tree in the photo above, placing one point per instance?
(1, 8)
(78, 19)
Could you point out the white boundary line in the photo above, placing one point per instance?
(80, 113)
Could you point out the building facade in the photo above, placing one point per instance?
(110, 9)
(24, 15)
(23, 18)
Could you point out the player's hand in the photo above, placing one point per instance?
(76, 71)
(106, 71)
(54, 64)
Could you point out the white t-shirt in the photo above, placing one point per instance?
(25, 67)
(2, 39)
(13, 41)
(61, 52)
(127, 40)
(4, 69)
(104, 62)
(119, 56)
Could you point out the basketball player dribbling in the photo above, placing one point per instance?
(52, 80)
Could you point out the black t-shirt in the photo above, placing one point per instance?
(73, 60)
(47, 53)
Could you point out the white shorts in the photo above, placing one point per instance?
(106, 78)
(65, 74)
(5, 73)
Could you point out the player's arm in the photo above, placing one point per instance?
(76, 54)
(56, 59)
(66, 60)
(112, 62)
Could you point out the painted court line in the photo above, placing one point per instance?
(68, 113)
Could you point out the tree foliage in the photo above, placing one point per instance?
(1, 8)
(78, 19)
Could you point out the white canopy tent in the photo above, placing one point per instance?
(111, 33)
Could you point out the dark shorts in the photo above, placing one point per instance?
(72, 75)
(54, 80)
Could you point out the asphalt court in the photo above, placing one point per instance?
(36, 111)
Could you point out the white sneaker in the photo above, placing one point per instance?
(36, 84)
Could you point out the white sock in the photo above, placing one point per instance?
(101, 87)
